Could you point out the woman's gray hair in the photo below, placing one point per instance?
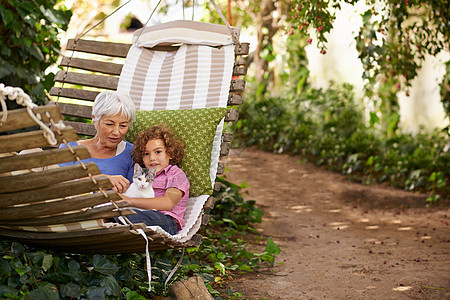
(110, 103)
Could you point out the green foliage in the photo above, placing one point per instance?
(295, 71)
(29, 44)
(392, 43)
(445, 89)
(30, 273)
(329, 128)
(394, 36)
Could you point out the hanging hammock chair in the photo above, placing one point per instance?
(186, 74)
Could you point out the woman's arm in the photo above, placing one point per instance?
(171, 197)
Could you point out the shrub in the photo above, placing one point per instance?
(29, 44)
(328, 127)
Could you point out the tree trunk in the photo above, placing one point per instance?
(191, 289)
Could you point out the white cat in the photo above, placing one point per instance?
(142, 183)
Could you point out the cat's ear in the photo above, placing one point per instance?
(137, 168)
(152, 170)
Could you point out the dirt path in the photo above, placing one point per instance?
(338, 239)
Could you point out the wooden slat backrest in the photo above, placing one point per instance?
(20, 118)
(40, 179)
(101, 48)
(74, 93)
(32, 139)
(82, 128)
(41, 159)
(92, 65)
(75, 110)
(89, 80)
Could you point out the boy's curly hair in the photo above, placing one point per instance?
(174, 145)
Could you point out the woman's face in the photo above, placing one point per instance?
(111, 130)
(155, 155)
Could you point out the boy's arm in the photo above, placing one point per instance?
(171, 197)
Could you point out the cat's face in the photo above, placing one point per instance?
(143, 177)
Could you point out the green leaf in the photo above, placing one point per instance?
(50, 15)
(230, 221)
(103, 265)
(132, 295)
(221, 256)
(73, 266)
(96, 293)
(5, 269)
(17, 248)
(221, 267)
(47, 262)
(112, 286)
(7, 16)
(374, 119)
(36, 52)
(267, 257)
(432, 177)
(256, 214)
(71, 290)
(45, 292)
(246, 268)
(20, 268)
(271, 247)
(4, 289)
(27, 42)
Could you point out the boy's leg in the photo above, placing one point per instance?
(154, 218)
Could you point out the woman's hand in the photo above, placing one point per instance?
(120, 183)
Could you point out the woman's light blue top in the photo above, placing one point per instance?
(121, 164)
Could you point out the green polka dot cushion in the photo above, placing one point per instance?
(197, 128)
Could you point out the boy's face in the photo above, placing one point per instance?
(155, 155)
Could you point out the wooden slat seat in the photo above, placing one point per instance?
(64, 205)
(80, 216)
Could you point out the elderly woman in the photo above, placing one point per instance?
(112, 115)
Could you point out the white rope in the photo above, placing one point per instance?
(21, 98)
(174, 269)
(102, 20)
(147, 251)
(148, 20)
(233, 34)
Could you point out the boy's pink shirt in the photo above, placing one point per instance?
(173, 176)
